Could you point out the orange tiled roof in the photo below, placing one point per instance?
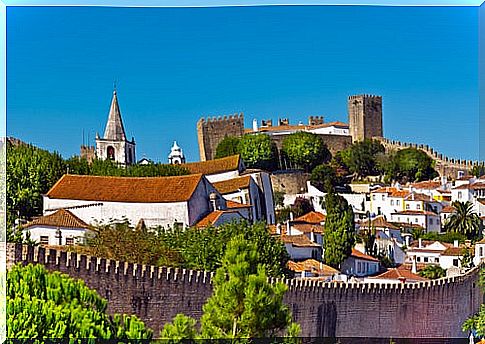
(415, 212)
(378, 222)
(232, 185)
(400, 274)
(453, 251)
(309, 228)
(474, 186)
(298, 240)
(235, 205)
(415, 196)
(427, 185)
(313, 266)
(126, 189)
(230, 163)
(360, 255)
(298, 127)
(313, 217)
(448, 209)
(209, 219)
(61, 218)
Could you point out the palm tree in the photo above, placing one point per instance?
(464, 220)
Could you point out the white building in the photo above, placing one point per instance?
(315, 126)
(158, 201)
(300, 247)
(59, 228)
(426, 219)
(114, 145)
(176, 155)
(360, 264)
(436, 253)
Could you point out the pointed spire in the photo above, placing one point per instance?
(114, 128)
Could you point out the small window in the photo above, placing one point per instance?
(459, 194)
(44, 240)
(383, 197)
(398, 202)
(418, 207)
(436, 260)
(373, 197)
(416, 220)
(425, 259)
(407, 206)
(481, 251)
(455, 262)
(418, 259)
(430, 221)
(392, 202)
(69, 241)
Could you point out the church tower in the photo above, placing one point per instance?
(114, 145)
(176, 155)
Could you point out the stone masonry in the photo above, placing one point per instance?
(426, 309)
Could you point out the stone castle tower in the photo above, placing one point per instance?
(365, 117)
(114, 145)
(211, 131)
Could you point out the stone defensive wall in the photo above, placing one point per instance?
(445, 166)
(426, 309)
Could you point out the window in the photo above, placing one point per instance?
(481, 251)
(416, 220)
(418, 259)
(459, 194)
(455, 262)
(392, 202)
(69, 241)
(425, 259)
(430, 221)
(44, 240)
(398, 202)
(436, 260)
(383, 197)
(110, 153)
(418, 207)
(373, 197)
(407, 206)
(358, 267)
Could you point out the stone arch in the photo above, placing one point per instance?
(110, 153)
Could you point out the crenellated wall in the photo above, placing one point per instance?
(427, 309)
(445, 166)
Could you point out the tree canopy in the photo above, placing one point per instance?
(361, 157)
(258, 151)
(305, 150)
(339, 230)
(409, 165)
(227, 147)
(432, 272)
(324, 176)
(46, 305)
(243, 304)
(464, 220)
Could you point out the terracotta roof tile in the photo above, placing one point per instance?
(473, 186)
(416, 212)
(308, 228)
(126, 189)
(235, 205)
(453, 251)
(378, 222)
(230, 163)
(426, 185)
(313, 217)
(212, 217)
(313, 266)
(299, 240)
(360, 255)
(399, 274)
(61, 218)
(448, 209)
(232, 185)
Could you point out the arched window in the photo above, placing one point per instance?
(110, 153)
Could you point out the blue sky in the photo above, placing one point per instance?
(175, 65)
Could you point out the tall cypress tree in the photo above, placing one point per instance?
(339, 232)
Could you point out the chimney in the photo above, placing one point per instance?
(408, 237)
(455, 243)
(414, 270)
(255, 124)
(312, 236)
(420, 243)
(278, 228)
(291, 216)
(288, 228)
(213, 200)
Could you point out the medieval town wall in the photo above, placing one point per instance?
(426, 309)
(290, 181)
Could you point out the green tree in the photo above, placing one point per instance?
(449, 237)
(478, 170)
(339, 231)
(305, 150)
(227, 147)
(181, 328)
(243, 304)
(361, 157)
(278, 198)
(409, 165)
(324, 175)
(433, 272)
(258, 151)
(45, 305)
(464, 220)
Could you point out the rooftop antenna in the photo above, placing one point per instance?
(114, 85)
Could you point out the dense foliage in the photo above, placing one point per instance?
(432, 272)
(409, 165)
(464, 220)
(449, 237)
(300, 206)
(478, 170)
(339, 231)
(243, 305)
(227, 147)
(258, 151)
(361, 158)
(305, 150)
(324, 176)
(42, 304)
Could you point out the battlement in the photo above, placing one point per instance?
(369, 96)
(315, 120)
(223, 118)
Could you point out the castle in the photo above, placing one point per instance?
(365, 121)
(113, 145)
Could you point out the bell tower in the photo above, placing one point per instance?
(114, 145)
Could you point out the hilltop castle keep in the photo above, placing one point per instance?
(365, 121)
(113, 145)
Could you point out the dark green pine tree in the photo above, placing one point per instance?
(339, 232)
